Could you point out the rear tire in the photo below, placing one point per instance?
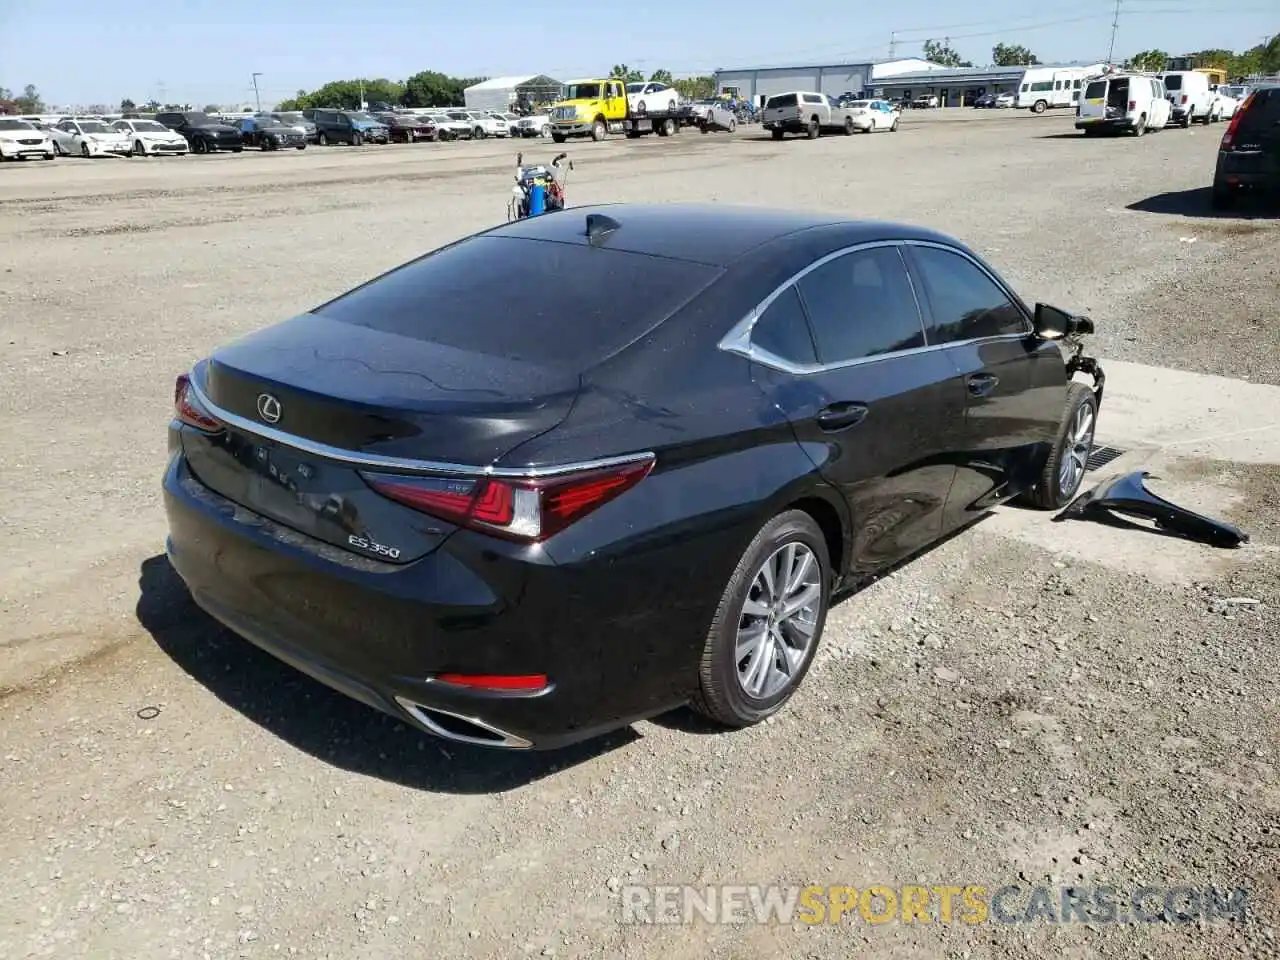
(777, 134)
(1064, 470)
(1039, 107)
(723, 694)
(848, 126)
(1141, 128)
(813, 129)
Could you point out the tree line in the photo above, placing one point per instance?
(1261, 59)
(432, 89)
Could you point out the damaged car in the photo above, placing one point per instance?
(520, 527)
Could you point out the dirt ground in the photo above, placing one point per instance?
(999, 711)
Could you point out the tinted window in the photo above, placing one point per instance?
(1042, 85)
(966, 303)
(786, 100)
(1263, 112)
(1096, 90)
(861, 305)
(783, 330)
(1173, 82)
(559, 304)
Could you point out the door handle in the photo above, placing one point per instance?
(841, 416)
(981, 384)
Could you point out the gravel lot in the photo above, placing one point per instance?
(995, 712)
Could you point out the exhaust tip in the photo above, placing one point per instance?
(460, 729)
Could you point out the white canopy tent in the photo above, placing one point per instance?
(499, 93)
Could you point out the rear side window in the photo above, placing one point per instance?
(861, 305)
(1096, 90)
(560, 305)
(783, 330)
(966, 303)
(786, 100)
(812, 98)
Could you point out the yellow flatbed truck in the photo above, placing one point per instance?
(598, 107)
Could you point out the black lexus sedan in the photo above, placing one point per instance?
(628, 477)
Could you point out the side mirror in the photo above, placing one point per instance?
(1051, 323)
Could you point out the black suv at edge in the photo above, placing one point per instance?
(205, 134)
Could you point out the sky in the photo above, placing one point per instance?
(206, 51)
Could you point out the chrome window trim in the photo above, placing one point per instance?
(403, 464)
(738, 339)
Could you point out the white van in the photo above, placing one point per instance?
(1123, 103)
(1190, 96)
(1045, 87)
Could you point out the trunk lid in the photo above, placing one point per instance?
(304, 399)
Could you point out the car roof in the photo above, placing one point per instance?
(711, 233)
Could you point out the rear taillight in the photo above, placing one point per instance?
(1229, 137)
(503, 682)
(188, 409)
(1184, 99)
(529, 510)
(1133, 105)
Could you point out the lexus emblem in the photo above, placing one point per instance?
(268, 407)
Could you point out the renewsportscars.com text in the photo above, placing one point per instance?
(942, 903)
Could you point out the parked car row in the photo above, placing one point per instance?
(1141, 102)
(177, 133)
(813, 114)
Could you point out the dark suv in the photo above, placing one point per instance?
(346, 126)
(205, 134)
(1249, 155)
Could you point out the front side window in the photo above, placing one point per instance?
(861, 305)
(966, 303)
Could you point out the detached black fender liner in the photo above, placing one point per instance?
(1128, 495)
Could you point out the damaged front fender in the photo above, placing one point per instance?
(1127, 495)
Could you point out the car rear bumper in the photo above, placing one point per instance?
(1106, 123)
(381, 633)
(1253, 169)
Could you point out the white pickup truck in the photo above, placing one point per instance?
(808, 113)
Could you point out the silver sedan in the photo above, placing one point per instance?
(714, 115)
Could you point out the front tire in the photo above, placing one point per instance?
(848, 126)
(598, 131)
(777, 134)
(767, 627)
(138, 149)
(321, 139)
(1064, 470)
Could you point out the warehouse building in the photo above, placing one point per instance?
(756, 83)
(500, 93)
(953, 86)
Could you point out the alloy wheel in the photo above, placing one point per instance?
(779, 620)
(1079, 442)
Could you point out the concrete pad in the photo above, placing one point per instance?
(1167, 421)
(1189, 414)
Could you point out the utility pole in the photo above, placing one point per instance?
(160, 89)
(256, 95)
(361, 82)
(893, 44)
(1115, 25)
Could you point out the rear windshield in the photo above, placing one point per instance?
(559, 305)
(1173, 82)
(1263, 112)
(1095, 90)
(786, 100)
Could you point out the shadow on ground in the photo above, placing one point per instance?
(1199, 203)
(322, 722)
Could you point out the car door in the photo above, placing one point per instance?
(1013, 380)
(840, 351)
